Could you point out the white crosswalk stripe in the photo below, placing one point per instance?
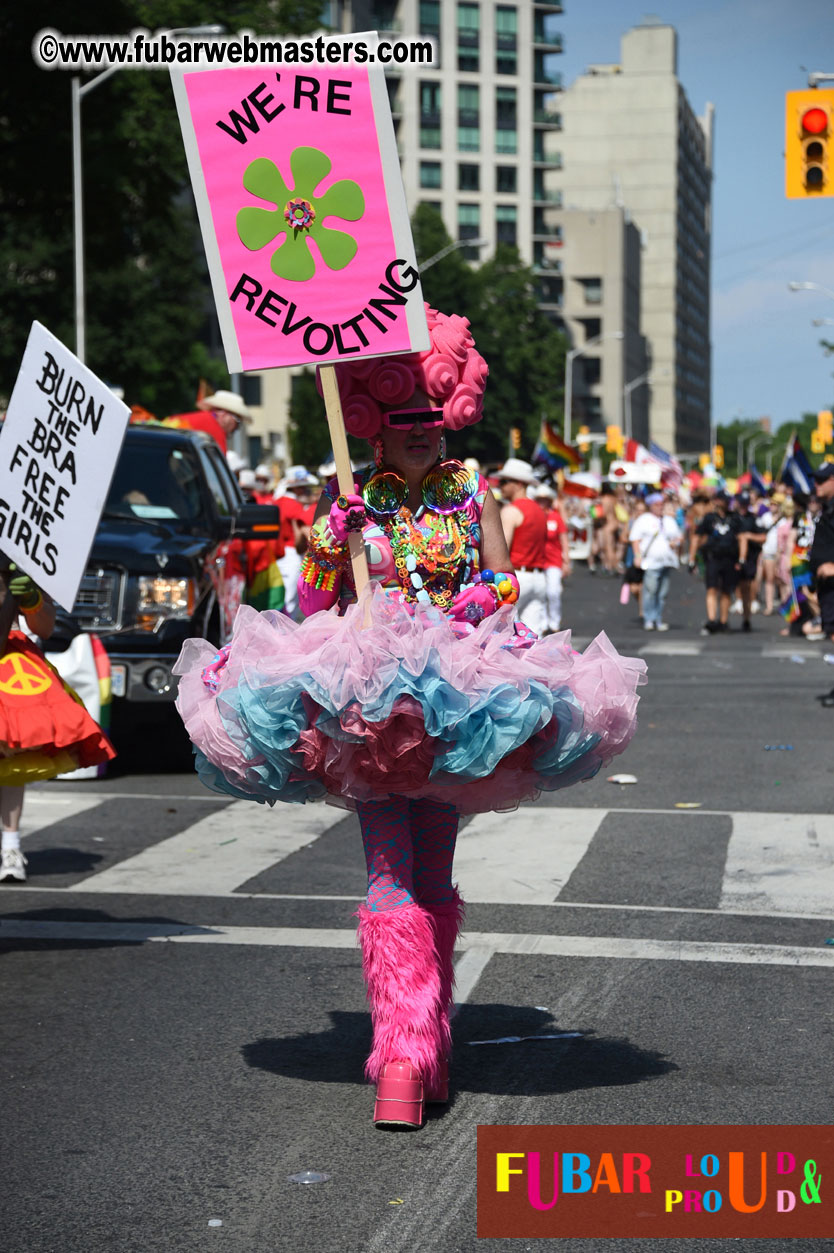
(525, 857)
(776, 864)
(780, 862)
(218, 853)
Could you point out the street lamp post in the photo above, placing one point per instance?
(809, 286)
(422, 266)
(753, 445)
(740, 447)
(628, 389)
(79, 91)
(570, 357)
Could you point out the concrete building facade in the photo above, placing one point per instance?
(630, 140)
(600, 309)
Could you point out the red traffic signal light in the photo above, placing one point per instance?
(808, 143)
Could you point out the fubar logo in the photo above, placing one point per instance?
(620, 1181)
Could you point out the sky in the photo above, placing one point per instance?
(743, 55)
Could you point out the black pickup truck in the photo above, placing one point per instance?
(158, 571)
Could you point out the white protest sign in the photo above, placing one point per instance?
(58, 449)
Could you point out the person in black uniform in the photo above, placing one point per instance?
(717, 534)
(821, 557)
(751, 536)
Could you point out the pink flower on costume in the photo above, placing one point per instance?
(475, 372)
(392, 383)
(362, 415)
(462, 408)
(440, 374)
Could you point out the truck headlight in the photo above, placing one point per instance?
(161, 598)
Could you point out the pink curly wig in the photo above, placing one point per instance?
(451, 371)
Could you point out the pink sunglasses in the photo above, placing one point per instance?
(405, 419)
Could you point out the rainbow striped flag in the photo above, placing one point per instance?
(553, 452)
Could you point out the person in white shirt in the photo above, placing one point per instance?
(655, 540)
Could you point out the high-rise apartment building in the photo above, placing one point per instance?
(471, 127)
(630, 139)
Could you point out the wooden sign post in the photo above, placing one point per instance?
(344, 473)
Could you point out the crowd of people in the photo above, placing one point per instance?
(753, 549)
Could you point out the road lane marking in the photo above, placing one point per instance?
(513, 859)
(780, 862)
(42, 809)
(216, 853)
(606, 947)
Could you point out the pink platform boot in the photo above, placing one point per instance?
(399, 960)
(447, 921)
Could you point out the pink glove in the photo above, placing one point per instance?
(347, 513)
(473, 603)
(312, 599)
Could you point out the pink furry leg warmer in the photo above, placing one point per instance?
(448, 922)
(399, 961)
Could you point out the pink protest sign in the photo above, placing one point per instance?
(301, 204)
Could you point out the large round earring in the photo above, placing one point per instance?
(379, 453)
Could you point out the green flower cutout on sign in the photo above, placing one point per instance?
(299, 214)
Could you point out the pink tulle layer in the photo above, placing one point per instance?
(378, 702)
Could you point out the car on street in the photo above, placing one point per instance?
(157, 572)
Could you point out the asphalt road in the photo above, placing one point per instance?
(185, 1025)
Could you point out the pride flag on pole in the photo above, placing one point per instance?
(553, 452)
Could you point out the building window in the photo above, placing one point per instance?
(431, 174)
(469, 104)
(593, 290)
(430, 17)
(506, 39)
(469, 227)
(252, 389)
(593, 370)
(433, 204)
(506, 178)
(506, 223)
(469, 117)
(469, 36)
(384, 15)
(469, 178)
(430, 136)
(430, 103)
(506, 110)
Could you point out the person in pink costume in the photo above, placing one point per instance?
(423, 700)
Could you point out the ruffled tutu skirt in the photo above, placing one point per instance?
(44, 728)
(377, 702)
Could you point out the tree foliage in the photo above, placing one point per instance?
(150, 317)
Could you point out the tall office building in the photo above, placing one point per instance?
(630, 139)
(471, 127)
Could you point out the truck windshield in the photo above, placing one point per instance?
(159, 483)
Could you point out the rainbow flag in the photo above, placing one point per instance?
(553, 452)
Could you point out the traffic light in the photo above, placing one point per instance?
(583, 443)
(515, 437)
(817, 442)
(825, 425)
(614, 440)
(703, 461)
(809, 137)
(718, 457)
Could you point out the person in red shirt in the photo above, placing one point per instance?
(525, 530)
(292, 496)
(556, 555)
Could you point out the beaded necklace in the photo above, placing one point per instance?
(429, 557)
